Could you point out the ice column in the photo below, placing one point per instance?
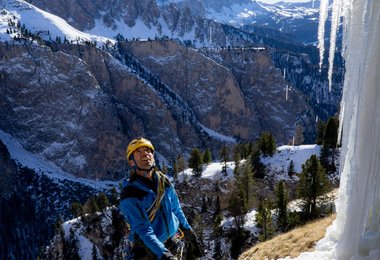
(358, 218)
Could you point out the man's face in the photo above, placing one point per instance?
(143, 157)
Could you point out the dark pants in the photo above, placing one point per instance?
(140, 252)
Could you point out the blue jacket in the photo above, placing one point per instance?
(135, 200)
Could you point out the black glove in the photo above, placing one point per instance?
(168, 256)
(195, 244)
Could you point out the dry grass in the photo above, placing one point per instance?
(292, 243)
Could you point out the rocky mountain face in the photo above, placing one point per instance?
(78, 106)
(284, 28)
(243, 90)
(265, 90)
(210, 89)
(53, 105)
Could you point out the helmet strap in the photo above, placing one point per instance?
(135, 167)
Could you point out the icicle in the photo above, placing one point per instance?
(316, 119)
(346, 9)
(210, 32)
(334, 29)
(286, 92)
(284, 73)
(293, 140)
(323, 12)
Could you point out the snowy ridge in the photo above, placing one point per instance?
(217, 135)
(41, 166)
(298, 154)
(42, 23)
(277, 164)
(241, 14)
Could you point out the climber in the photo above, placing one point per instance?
(151, 206)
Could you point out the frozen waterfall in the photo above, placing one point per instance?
(355, 234)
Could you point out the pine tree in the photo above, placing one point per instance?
(312, 186)
(180, 163)
(207, 156)
(257, 166)
(247, 183)
(102, 201)
(266, 144)
(281, 203)
(76, 209)
(241, 197)
(90, 206)
(195, 162)
(321, 126)
(291, 170)
(236, 208)
(114, 197)
(324, 157)
(329, 145)
(239, 151)
(331, 133)
(224, 158)
(264, 220)
(217, 215)
(217, 218)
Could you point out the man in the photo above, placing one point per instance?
(151, 207)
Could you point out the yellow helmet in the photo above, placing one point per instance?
(136, 144)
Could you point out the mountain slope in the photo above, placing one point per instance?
(292, 243)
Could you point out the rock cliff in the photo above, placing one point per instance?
(78, 106)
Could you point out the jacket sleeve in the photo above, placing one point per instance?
(140, 224)
(176, 208)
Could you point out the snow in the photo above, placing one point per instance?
(85, 246)
(250, 222)
(217, 135)
(277, 164)
(41, 22)
(238, 14)
(211, 171)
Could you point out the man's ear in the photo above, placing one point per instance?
(131, 163)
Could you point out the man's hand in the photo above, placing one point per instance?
(196, 245)
(168, 256)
